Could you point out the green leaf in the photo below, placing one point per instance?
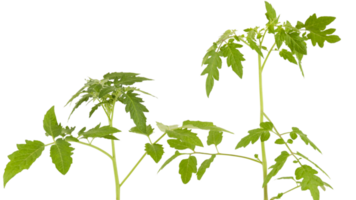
(93, 109)
(168, 161)
(256, 134)
(271, 13)
(143, 92)
(155, 151)
(148, 132)
(179, 145)
(215, 137)
(287, 177)
(185, 135)
(279, 37)
(293, 58)
(81, 100)
(316, 27)
(250, 40)
(213, 62)
(295, 43)
(256, 155)
(280, 160)
(252, 137)
(290, 141)
(293, 135)
(205, 165)
(125, 78)
(106, 90)
(23, 158)
(163, 127)
(67, 130)
(234, 57)
(136, 108)
(100, 131)
(312, 162)
(310, 181)
(197, 124)
(268, 126)
(227, 34)
(50, 124)
(108, 138)
(61, 154)
(76, 95)
(278, 142)
(187, 167)
(71, 139)
(305, 138)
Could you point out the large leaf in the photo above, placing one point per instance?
(148, 132)
(295, 43)
(319, 31)
(271, 13)
(203, 125)
(176, 154)
(287, 55)
(214, 137)
(310, 181)
(23, 158)
(317, 166)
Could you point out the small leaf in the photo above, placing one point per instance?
(254, 46)
(213, 62)
(163, 127)
(106, 90)
(100, 131)
(293, 135)
(176, 154)
(204, 166)
(81, 100)
(136, 108)
(234, 57)
(203, 125)
(155, 151)
(61, 154)
(187, 168)
(76, 95)
(50, 124)
(303, 156)
(268, 126)
(279, 141)
(110, 137)
(290, 141)
(95, 107)
(214, 137)
(280, 160)
(71, 139)
(305, 138)
(180, 145)
(288, 56)
(253, 136)
(148, 132)
(271, 13)
(185, 135)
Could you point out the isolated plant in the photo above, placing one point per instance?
(120, 86)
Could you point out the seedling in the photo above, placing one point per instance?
(120, 87)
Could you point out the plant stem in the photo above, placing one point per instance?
(95, 147)
(287, 191)
(264, 160)
(224, 154)
(117, 183)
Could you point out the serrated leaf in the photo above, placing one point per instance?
(125, 78)
(312, 162)
(214, 139)
(155, 151)
(76, 95)
(83, 99)
(93, 109)
(50, 124)
(100, 131)
(23, 158)
(81, 131)
(280, 160)
(252, 137)
(203, 125)
(251, 40)
(226, 35)
(185, 135)
(106, 90)
(148, 132)
(271, 13)
(168, 161)
(213, 62)
(293, 58)
(295, 43)
(162, 127)
(143, 92)
(108, 138)
(234, 57)
(180, 145)
(61, 154)
(187, 167)
(305, 138)
(256, 134)
(136, 108)
(316, 27)
(205, 165)
(67, 130)
(310, 181)
(279, 37)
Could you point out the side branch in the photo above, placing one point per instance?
(287, 192)
(224, 154)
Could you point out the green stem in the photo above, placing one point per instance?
(109, 110)
(264, 159)
(269, 52)
(224, 154)
(287, 191)
(95, 147)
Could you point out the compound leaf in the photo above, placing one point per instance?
(310, 181)
(234, 57)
